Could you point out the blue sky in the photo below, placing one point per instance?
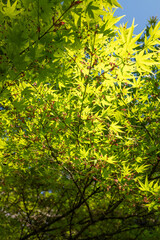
(141, 10)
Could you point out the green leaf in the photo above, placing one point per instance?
(2, 144)
(10, 10)
(115, 127)
(90, 9)
(111, 160)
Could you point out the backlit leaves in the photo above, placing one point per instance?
(79, 123)
(10, 10)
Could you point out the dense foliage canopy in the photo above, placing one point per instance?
(79, 127)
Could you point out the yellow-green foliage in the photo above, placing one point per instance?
(79, 124)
